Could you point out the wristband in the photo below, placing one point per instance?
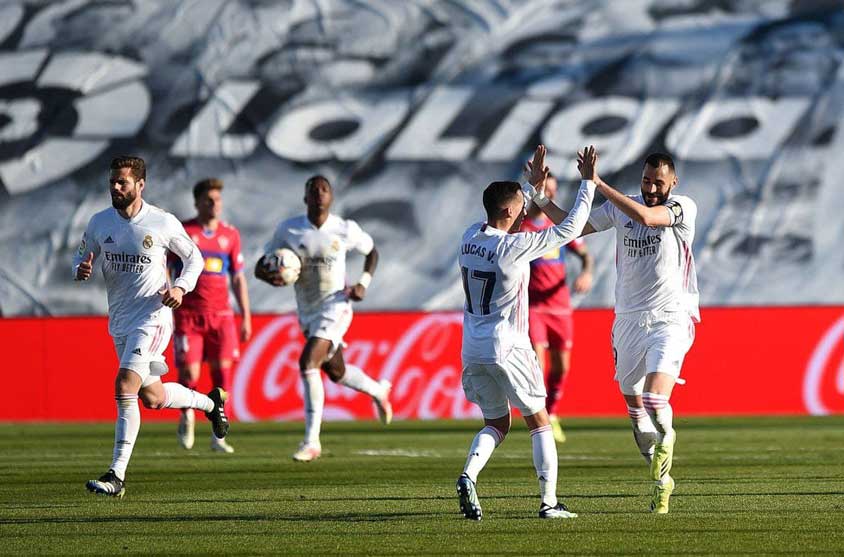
(540, 200)
(365, 279)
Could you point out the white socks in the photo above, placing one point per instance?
(179, 396)
(644, 431)
(125, 432)
(545, 462)
(314, 394)
(484, 443)
(661, 414)
(357, 379)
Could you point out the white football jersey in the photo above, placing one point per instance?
(656, 268)
(323, 254)
(133, 259)
(495, 269)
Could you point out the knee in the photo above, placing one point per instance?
(307, 362)
(152, 401)
(502, 425)
(333, 372)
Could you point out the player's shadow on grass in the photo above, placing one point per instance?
(136, 518)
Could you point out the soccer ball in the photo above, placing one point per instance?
(286, 262)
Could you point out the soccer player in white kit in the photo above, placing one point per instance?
(499, 365)
(321, 240)
(656, 303)
(132, 240)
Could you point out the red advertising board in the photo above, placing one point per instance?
(744, 361)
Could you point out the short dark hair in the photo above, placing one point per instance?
(136, 164)
(314, 179)
(657, 159)
(498, 195)
(206, 185)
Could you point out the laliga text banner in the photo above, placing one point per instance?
(744, 361)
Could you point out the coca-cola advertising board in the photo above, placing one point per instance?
(744, 361)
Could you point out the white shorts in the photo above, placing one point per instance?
(649, 342)
(331, 323)
(517, 381)
(142, 350)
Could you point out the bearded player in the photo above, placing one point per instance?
(656, 302)
(131, 240)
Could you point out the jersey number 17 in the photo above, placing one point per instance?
(480, 282)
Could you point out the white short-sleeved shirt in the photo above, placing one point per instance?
(495, 269)
(323, 254)
(656, 268)
(133, 260)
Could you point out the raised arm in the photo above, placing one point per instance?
(535, 244)
(537, 173)
(659, 215)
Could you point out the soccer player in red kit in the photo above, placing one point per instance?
(550, 325)
(205, 324)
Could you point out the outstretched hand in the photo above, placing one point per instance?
(587, 163)
(536, 170)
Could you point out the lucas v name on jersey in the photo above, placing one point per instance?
(642, 247)
(477, 251)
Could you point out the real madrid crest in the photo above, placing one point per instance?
(147, 241)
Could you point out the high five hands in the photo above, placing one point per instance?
(536, 171)
(587, 164)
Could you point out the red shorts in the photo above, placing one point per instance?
(204, 337)
(551, 330)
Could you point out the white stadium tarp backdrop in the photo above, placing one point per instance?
(411, 108)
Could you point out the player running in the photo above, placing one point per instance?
(205, 325)
(321, 241)
(134, 238)
(656, 302)
(551, 327)
(499, 365)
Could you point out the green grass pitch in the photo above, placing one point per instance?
(747, 486)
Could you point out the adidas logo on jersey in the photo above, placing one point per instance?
(136, 351)
(629, 224)
(108, 240)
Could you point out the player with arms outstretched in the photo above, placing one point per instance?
(499, 365)
(205, 326)
(551, 327)
(656, 302)
(321, 240)
(132, 240)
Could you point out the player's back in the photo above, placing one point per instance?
(495, 289)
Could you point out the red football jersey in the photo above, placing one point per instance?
(221, 251)
(547, 289)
